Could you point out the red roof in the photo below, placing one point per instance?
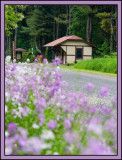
(20, 50)
(65, 38)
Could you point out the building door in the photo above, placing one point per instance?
(79, 53)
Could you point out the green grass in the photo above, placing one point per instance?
(97, 65)
(84, 70)
(107, 65)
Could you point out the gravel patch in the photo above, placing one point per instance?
(78, 80)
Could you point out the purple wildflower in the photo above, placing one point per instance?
(104, 91)
(89, 87)
(71, 137)
(41, 102)
(52, 124)
(84, 101)
(22, 132)
(114, 101)
(12, 127)
(106, 110)
(25, 111)
(67, 123)
(41, 119)
(33, 145)
(95, 126)
(28, 60)
(111, 125)
(35, 60)
(45, 61)
(96, 147)
(57, 61)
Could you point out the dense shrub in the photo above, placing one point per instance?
(108, 65)
(70, 64)
(104, 49)
(28, 55)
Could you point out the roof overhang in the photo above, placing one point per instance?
(20, 50)
(67, 38)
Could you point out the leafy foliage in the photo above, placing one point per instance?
(49, 22)
(12, 16)
(108, 65)
(104, 50)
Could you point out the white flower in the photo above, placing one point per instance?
(28, 60)
(6, 133)
(20, 109)
(35, 126)
(63, 96)
(53, 80)
(8, 59)
(42, 87)
(58, 104)
(45, 145)
(58, 67)
(14, 60)
(47, 135)
(8, 150)
(53, 72)
(55, 153)
(6, 109)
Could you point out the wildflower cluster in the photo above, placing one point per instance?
(41, 118)
(57, 61)
(38, 58)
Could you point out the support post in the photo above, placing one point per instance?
(13, 51)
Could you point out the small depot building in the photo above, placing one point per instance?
(18, 53)
(71, 49)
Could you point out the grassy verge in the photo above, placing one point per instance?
(107, 65)
(84, 70)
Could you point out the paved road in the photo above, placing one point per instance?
(77, 81)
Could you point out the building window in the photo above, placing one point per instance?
(79, 53)
(18, 55)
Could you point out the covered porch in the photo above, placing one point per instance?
(58, 51)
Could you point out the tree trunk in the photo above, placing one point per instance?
(10, 47)
(112, 32)
(89, 28)
(57, 34)
(111, 37)
(40, 46)
(7, 43)
(16, 30)
(70, 21)
(67, 18)
(54, 27)
(38, 50)
(54, 30)
(16, 38)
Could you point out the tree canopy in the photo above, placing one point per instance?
(37, 25)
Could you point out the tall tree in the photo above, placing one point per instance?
(107, 22)
(11, 19)
(68, 18)
(38, 24)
